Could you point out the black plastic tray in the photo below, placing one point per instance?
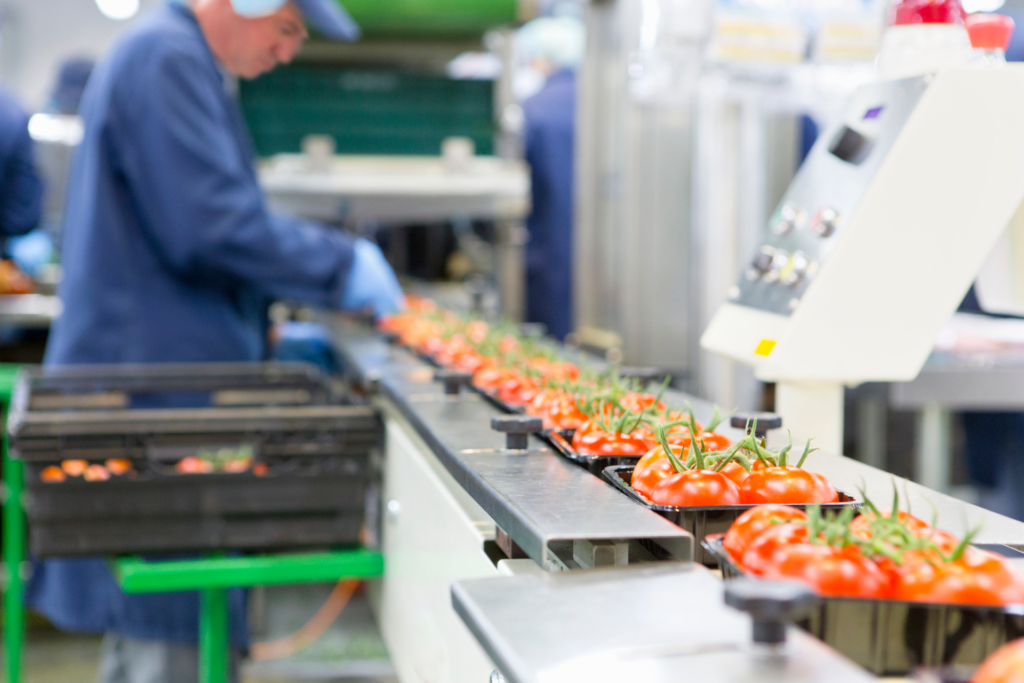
(892, 637)
(595, 464)
(311, 445)
(701, 521)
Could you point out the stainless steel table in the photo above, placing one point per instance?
(659, 624)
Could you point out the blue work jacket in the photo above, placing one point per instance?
(21, 191)
(550, 139)
(170, 254)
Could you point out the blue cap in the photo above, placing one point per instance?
(325, 16)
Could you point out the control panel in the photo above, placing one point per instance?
(824, 195)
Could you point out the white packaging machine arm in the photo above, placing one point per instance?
(877, 240)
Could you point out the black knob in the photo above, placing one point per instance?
(518, 428)
(772, 604)
(453, 380)
(390, 337)
(765, 421)
(648, 374)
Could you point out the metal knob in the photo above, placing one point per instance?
(765, 421)
(772, 604)
(825, 222)
(453, 380)
(648, 374)
(517, 428)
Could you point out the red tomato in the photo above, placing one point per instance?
(611, 443)
(96, 473)
(587, 427)
(861, 525)
(754, 522)
(518, 390)
(758, 556)
(830, 571)
(786, 485)
(557, 408)
(52, 475)
(489, 379)
(1005, 665)
(638, 402)
(696, 488)
(658, 453)
(646, 479)
(712, 441)
(825, 492)
(735, 471)
(978, 578)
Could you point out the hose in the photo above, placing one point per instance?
(312, 630)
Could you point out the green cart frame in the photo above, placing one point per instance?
(211, 576)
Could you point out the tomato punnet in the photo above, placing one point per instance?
(696, 488)
(786, 485)
(610, 443)
(645, 480)
(1005, 665)
(829, 570)
(760, 553)
(755, 522)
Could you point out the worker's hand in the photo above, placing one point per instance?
(371, 282)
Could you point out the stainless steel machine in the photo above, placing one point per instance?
(877, 240)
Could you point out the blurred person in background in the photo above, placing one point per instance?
(170, 254)
(21, 191)
(552, 47)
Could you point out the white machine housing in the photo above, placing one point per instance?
(880, 235)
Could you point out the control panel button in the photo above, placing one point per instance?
(788, 219)
(795, 270)
(780, 259)
(825, 222)
(761, 263)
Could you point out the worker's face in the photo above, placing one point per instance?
(254, 46)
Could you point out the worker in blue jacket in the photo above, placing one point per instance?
(21, 191)
(553, 47)
(172, 255)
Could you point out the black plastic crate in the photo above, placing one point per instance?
(288, 454)
(701, 521)
(893, 637)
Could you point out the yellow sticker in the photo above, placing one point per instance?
(764, 347)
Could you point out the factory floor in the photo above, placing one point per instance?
(351, 650)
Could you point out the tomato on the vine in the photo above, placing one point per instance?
(696, 488)
(754, 522)
(829, 570)
(760, 553)
(610, 443)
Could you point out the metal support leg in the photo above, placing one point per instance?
(14, 559)
(933, 460)
(213, 636)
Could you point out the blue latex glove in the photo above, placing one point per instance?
(371, 282)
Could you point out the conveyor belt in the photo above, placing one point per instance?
(539, 498)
